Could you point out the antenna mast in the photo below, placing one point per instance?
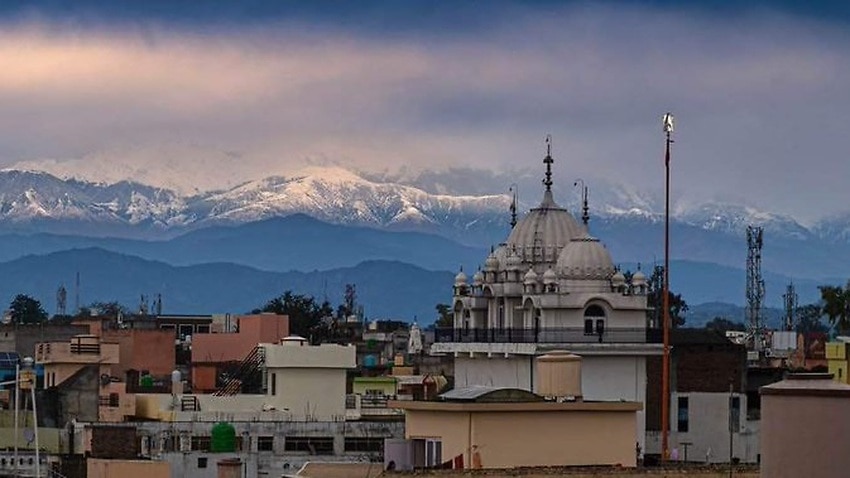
(755, 285)
(61, 300)
(790, 298)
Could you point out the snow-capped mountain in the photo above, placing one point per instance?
(39, 201)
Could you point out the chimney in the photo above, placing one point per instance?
(559, 376)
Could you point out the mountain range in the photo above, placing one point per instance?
(326, 218)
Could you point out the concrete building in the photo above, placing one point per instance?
(482, 427)
(550, 286)
(805, 427)
(210, 351)
(100, 468)
(708, 392)
(144, 350)
(838, 359)
(62, 360)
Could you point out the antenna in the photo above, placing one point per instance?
(585, 210)
(61, 300)
(77, 294)
(548, 161)
(790, 298)
(755, 284)
(515, 190)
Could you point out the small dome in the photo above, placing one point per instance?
(586, 258)
(530, 277)
(514, 261)
(460, 278)
(492, 263)
(638, 279)
(550, 277)
(618, 279)
(478, 278)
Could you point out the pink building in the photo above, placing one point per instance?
(210, 351)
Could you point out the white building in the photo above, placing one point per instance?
(551, 286)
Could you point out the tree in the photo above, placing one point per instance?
(836, 306)
(306, 316)
(445, 317)
(809, 319)
(26, 310)
(678, 306)
(722, 325)
(108, 309)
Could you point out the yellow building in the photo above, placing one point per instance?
(483, 427)
(838, 360)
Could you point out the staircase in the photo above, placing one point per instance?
(248, 377)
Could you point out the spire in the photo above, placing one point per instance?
(548, 161)
(585, 209)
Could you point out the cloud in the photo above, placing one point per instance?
(760, 97)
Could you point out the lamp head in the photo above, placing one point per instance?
(667, 121)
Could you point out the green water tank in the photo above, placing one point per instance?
(223, 438)
(146, 381)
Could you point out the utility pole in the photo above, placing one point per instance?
(667, 121)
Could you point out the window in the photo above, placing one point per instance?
(433, 452)
(594, 320)
(201, 443)
(265, 443)
(186, 330)
(588, 326)
(364, 444)
(501, 316)
(113, 400)
(683, 414)
(203, 329)
(274, 383)
(311, 445)
(202, 462)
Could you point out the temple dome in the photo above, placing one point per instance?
(585, 258)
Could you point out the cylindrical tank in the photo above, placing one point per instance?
(223, 438)
(370, 361)
(559, 375)
(146, 381)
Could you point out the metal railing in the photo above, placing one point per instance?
(546, 335)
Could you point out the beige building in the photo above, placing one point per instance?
(506, 428)
(96, 468)
(62, 360)
(805, 427)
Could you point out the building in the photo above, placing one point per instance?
(805, 429)
(838, 359)
(550, 286)
(708, 400)
(211, 352)
(491, 427)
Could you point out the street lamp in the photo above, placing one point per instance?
(667, 121)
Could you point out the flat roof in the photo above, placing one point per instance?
(544, 406)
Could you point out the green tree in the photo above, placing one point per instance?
(445, 317)
(26, 310)
(307, 317)
(836, 306)
(809, 319)
(654, 296)
(722, 324)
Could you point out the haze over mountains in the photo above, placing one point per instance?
(419, 219)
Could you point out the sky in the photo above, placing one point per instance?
(224, 91)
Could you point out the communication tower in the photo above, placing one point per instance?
(790, 299)
(755, 286)
(61, 300)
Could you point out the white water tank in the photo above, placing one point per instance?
(559, 375)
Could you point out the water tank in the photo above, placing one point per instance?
(559, 375)
(223, 438)
(370, 361)
(146, 381)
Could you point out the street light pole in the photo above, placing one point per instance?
(667, 120)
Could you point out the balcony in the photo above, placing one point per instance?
(548, 335)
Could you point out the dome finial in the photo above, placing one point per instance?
(548, 161)
(514, 189)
